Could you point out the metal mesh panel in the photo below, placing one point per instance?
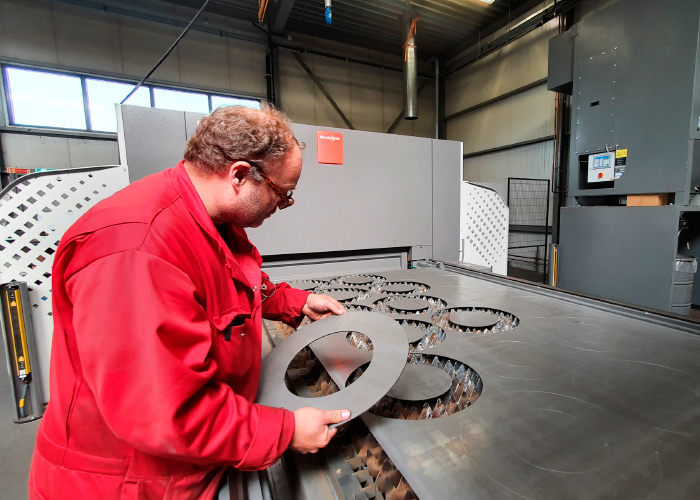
(528, 201)
(34, 215)
(484, 227)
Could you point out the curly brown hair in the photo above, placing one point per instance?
(235, 133)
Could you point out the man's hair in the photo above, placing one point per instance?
(234, 133)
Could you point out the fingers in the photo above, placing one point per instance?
(336, 416)
(336, 306)
(322, 306)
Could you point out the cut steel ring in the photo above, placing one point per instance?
(390, 351)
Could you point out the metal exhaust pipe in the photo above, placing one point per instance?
(410, 69)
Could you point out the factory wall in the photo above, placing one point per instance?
(525, 117)
(57, 34)
(370, 97)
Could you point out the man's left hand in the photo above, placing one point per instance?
(321, 306)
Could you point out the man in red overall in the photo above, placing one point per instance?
(158, 300)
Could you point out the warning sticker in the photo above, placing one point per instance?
(620, 162)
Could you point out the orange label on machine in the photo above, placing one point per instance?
(329, 147)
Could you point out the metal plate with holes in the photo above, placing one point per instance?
(579, 399)
(484, 228)
(390, 346)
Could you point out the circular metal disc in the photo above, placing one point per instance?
(390, 349)
(400, 288)
(413, 333)
(410, 305)
(342, 295)
(474, 319)
(304, 286)
(420, 382)
(358, 280)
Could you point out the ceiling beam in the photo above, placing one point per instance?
(278, 14)
(535, 21)
(490, 30)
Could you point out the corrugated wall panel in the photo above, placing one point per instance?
(297, 92)
(86, 38)
(204, 60)
(87, 153)
(335, 76)
(424, 126)
(392, 104)
(26, 31)
(246, 66)
(520, 118)
(370, 97)
(532, 161)
(365, 95)
(28, 151)
(142, 45)
(516, 65)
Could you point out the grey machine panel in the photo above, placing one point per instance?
(150, 140)
(447, 177)
(380, 198)
(620, 253)
(560, 76)
(637, 59)
(581, 399)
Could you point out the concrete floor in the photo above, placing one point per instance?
(16, 445)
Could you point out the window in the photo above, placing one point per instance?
(45, 99)
(104, 95)
(181, 101)
(217, 101)
(39, 98)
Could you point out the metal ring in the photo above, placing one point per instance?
(390, 352)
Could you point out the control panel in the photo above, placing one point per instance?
(601, 167)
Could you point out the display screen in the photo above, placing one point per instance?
(603, 161)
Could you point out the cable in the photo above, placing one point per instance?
(138, 85)
(411, 32)
(262, 10)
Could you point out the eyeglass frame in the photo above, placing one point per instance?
(287, 199)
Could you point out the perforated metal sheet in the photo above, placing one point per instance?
(35, 215)
(484, 228)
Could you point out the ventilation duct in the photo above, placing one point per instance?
(410, 67)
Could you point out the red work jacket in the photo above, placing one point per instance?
(156, 352)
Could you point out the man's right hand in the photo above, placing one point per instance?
(311, 431)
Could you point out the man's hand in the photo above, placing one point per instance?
(321, 306)
(311, 431)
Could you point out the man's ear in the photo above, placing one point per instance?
(238, 174)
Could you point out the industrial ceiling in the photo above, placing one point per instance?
(445, 26)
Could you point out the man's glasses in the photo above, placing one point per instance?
(285, 197)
